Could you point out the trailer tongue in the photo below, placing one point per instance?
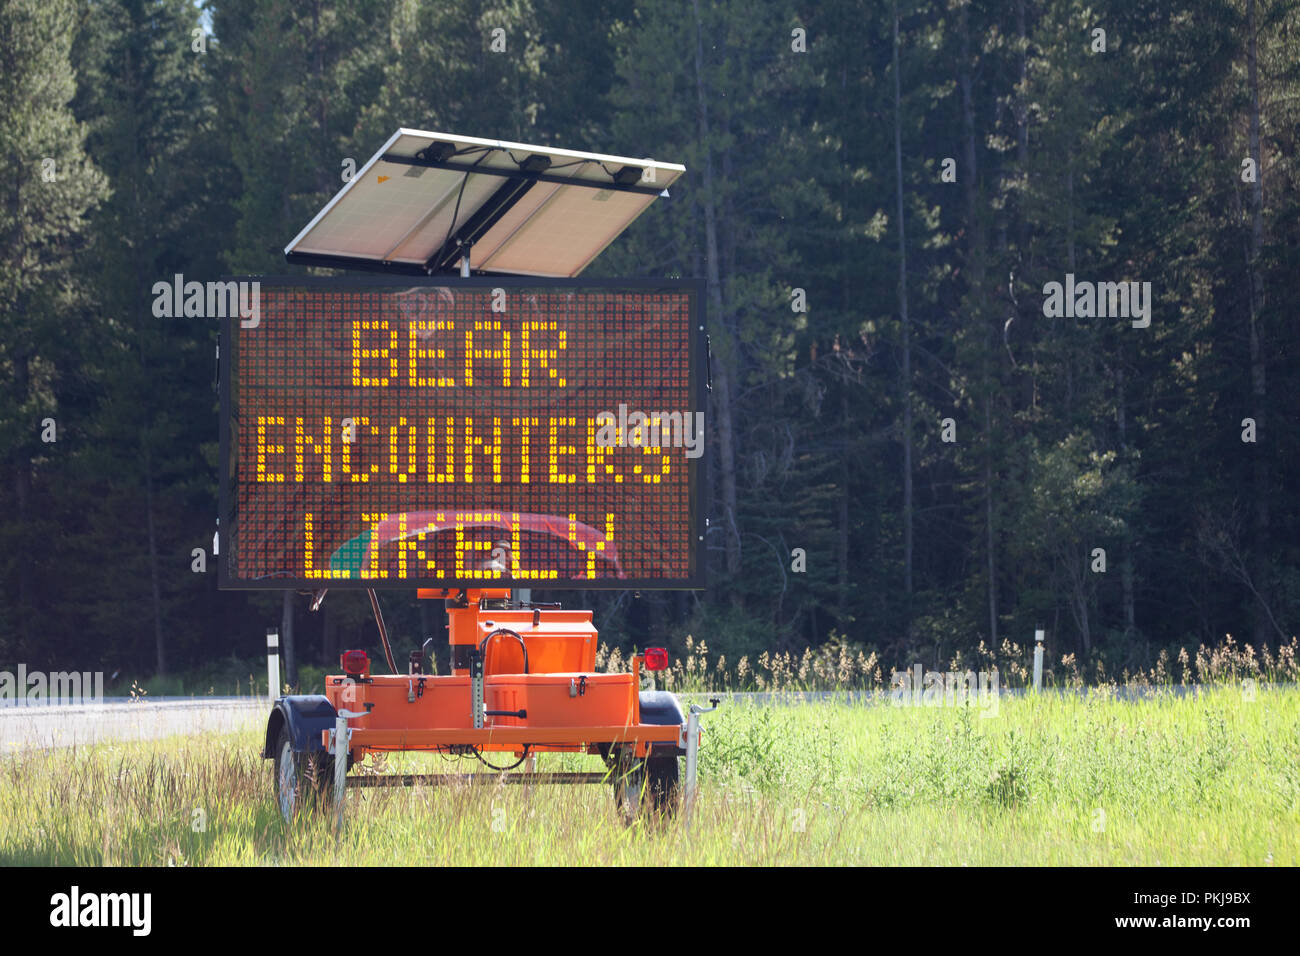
(460, 425)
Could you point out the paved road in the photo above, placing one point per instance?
(42, 726)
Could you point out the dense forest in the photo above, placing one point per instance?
(926, 431)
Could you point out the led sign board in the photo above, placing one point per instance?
(526, 432)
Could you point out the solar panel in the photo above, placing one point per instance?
(425, 200)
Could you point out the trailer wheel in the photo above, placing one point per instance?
(303, 780)
(648, 788)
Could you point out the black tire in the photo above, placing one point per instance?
(303, 780)
(664, 783)
(649, 789)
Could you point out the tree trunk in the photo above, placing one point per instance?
(1260, 571)
(846, 304)
(906, 380)
(22, 498)
(323, 172)
(1022, 123)
(1126, 565)
(160, 659)
(990, 529)
(1076, 573)
(722, 370)
(977, 297)
(842, 534)
(1069, 258)
(1084, 628)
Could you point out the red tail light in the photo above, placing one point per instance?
(355, 663)
(656, 658)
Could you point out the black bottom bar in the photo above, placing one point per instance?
(1087, 904)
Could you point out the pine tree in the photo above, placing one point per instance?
(50, 188)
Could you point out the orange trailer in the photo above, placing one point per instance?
(523, 682)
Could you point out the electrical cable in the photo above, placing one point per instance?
(455, 213)
(482, 646)
(383, 631)
(527, 747)
(479, 753)
(575, 162)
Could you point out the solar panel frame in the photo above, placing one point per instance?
(402, 213)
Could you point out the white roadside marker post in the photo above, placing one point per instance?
(1038, 660)
(273, 662)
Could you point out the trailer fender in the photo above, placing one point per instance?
(306, 716)
(660, 707)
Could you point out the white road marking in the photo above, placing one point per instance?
(45, 727)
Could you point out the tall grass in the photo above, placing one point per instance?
(836, 665)
(840, 665)
(1208, 779)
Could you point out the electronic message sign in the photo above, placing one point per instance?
(469, 432)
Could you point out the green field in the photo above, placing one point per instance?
(1058, 779)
